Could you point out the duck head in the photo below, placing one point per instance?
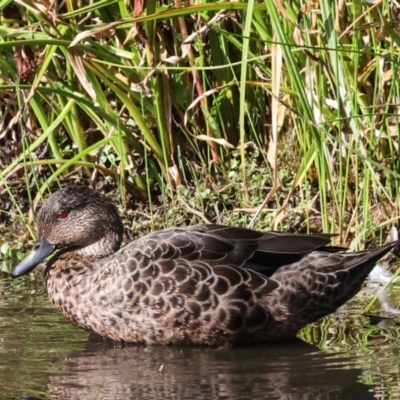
(75, 219)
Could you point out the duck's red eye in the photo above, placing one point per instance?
(62, 215)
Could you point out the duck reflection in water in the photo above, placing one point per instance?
(285, 370)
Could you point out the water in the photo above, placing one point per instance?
(42, 356)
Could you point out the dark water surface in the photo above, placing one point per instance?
(43, 356)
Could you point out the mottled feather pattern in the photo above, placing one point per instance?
(207, 284)
(164, 293)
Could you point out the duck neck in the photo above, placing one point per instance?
(75, 258)
(105, 246)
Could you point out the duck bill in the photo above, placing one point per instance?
(40, 251)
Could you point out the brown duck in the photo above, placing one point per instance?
(207, 284)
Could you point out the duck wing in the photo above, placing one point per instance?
(219, 244)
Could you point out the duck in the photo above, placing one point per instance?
(209, 284)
